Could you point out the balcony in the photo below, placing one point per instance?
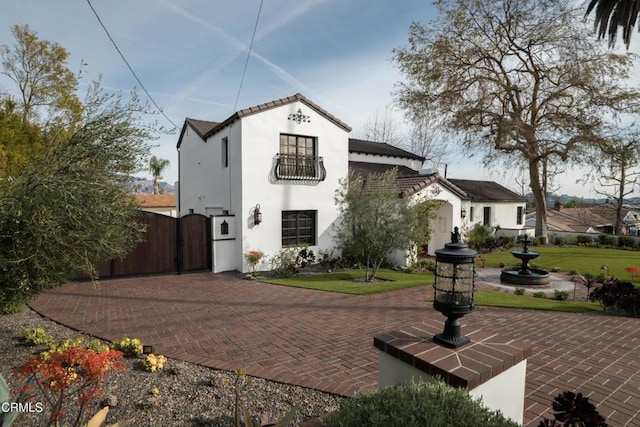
(290, 167)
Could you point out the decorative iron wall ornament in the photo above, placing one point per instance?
(299, 117)
(435, 190)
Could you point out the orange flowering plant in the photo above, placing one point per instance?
(74, 374)
(253, 259)
(634, 272)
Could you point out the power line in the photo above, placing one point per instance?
(248, 56)
(129, 66)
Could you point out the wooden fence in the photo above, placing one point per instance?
(170, 245)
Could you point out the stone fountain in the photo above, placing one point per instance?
(524, 275)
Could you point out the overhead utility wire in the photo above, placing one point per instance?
(129, 66)
(248, 56)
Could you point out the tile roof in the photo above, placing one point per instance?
(201, 127)
(487, 191)
(156, 200)
(206, 128)
(577, 220)
(408, 181)
(277, 103)
(380, 148)
(409, 185)
(365, 168)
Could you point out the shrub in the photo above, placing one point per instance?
(283, 264)
(37, 336)
(584, 240)
(561, 295)
(431, 403)
(505, 242)
(129, 347)
(634, 272)
(481, 238)
(519, 291)
(422, 265)
(17, 305)
(539, 240)
(555, 269)
(572, 409)
(608, 240)
(539, 294)
(626, 241)
(154, 363)
(6, 417)
(559, 241)
(253, 259)
(71, 376)
(618, 296)
(305, 257)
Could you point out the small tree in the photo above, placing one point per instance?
(616, 166)
(376, 220)
(381, 127)
(39, 69)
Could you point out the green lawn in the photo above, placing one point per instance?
(509, 300)
(573, 258)
(343, 281)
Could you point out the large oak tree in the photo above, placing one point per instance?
(520, 79)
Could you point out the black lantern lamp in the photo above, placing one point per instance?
(454, 286)
(257, 215)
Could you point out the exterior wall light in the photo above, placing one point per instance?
(463, 213)
(454, 286)
(257, 215)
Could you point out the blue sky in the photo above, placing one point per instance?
(190, 54)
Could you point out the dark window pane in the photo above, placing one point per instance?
(298, 228)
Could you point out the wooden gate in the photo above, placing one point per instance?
(170, 245)
(194, 243)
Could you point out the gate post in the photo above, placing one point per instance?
(179, 245)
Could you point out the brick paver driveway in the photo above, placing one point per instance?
(324, 340)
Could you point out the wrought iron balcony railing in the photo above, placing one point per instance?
(299, 168)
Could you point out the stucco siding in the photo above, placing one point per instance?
(205, 185)
(261, 142)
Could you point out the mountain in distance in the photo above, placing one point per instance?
(145, 186)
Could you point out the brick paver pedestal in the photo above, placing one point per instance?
(491, 366)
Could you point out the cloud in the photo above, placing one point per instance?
(242, 48)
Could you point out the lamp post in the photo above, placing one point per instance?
(453, 288)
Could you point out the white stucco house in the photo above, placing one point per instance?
(267, 176)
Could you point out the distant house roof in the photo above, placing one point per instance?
(487, 191)
(380, 148)
(365, 168)
(156, 200)
(577, 220)
(209, 128)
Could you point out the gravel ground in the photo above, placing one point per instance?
(189, 395)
